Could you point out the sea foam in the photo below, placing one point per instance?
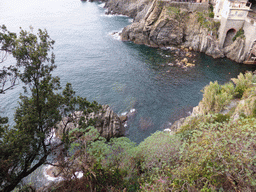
(102, 5)
(116, 35)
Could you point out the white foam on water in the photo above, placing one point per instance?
(120, 15)
(130, 20)
(124, 113)
(168, 130)
(102, 5)
(50, 178)
(132, 110)
(170, 48)
(116, 35)
(107, 15)
(78, 174)
(113, 15)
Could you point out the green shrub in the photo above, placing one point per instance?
(105, 165)
(158, 150)
(180, 15)
(220, 118)
(211, 8)
(216, 96)
(243, 82)
(190, 125)
(207, 21)
(254, 109)
(239, 33)
(211, 15)
(220, 155)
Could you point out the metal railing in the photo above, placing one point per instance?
(239, 5)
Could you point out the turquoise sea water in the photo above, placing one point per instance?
(101, 67)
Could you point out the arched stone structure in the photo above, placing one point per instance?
(229, 37)
(233, 15)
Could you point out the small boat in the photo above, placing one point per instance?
(252, 62)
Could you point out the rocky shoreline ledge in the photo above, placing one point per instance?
(156, 24)
(108, 123)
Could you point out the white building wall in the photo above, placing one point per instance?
(250, 33)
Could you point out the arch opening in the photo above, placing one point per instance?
(229, 36)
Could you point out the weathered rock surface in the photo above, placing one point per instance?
(154, 26)
(107, 122)
(160, 29)
(132, 8)
(177, 124)
(235, 51)
(156, 29)
(200, 41)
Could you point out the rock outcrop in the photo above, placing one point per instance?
(160, 29)
(132, 8)
(156, 29)
(235, 51)
(156, 26)
(106, 122)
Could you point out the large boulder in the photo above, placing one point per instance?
(106, 122)
(235, 51)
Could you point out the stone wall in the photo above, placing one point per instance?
(226, 25)
(191, 7)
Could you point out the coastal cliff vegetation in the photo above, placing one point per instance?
(212, 150)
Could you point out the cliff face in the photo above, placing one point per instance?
(156, 29)
(155, 25)
(236, 51)
(132, 8)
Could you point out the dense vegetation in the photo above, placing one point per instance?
(27, 145)
(213, 150)
(239, 33)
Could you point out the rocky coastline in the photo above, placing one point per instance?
(155, 25)
(108, 123)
